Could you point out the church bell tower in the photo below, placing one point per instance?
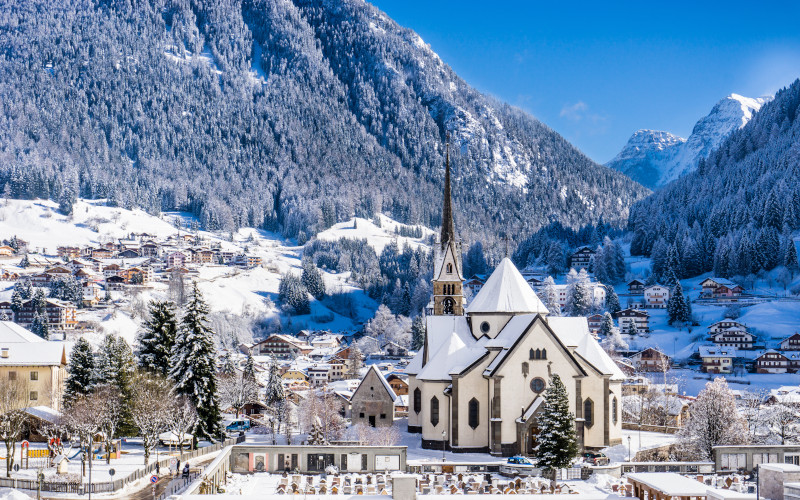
(448, 298)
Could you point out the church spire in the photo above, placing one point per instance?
(448, 227)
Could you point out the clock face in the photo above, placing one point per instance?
(537, 385)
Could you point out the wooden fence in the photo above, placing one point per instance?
(112, 486)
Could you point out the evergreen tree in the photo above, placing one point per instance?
(25, 289)
(557, 444)
(676, 305)
(116, 367)
(475, 260)
(550, 297)
(317, 434)
(157, 337)
(293, 295)
(630, 328)
(16, 302)
(39, 326)
(607, 325)
(275, 393)
(39, 301)
(581, 299)
(249, 373)
(227, 366)
(612, 300)
(418, 332)
(193, 368)
(80, 372)
(24, 262)
(790, 257)
(312, 279)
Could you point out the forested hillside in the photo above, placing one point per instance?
(284, 115)
(737, 213)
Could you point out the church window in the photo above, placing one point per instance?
(544, 353)
(485, 327)
(614, 409)
(588, 412)
(449, 268)
(537, 385)
(435, 411)
(532, 354)
(538, 354)
(448, 305)
(417, 400)
(474, 413)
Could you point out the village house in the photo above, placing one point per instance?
(38, 366)
(582, 259)
(791, 343)
(636, 287)
(721, 289)
(247, 261)
(205, 256)
(639, 318)
(60, 315)
(595, 323)
(734, 337)
(128, 253)
(721, 326)
(68, 252)
(338, 369)
(656, 296)
(717, 359)
(398, 383)
(772, 361)
(294, 377)
(598, 292)
(6, 275)
(373, 401)
(319, 374)
(473, 285)
(112, 270)
(150, 249)
(177, 259)
(58, 272)
(102, 253)
(650, 360)
(282, 347)
(227, 257)
(394, 350)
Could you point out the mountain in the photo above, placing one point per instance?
(287, 115)
(656, 158)
(739, 211)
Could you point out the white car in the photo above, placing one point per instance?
(171, 439)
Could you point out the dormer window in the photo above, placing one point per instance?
(449, 268)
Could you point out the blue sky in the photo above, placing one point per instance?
(597, 71)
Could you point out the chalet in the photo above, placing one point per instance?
(145, 274)
(176, 259)
(474, 284)
(149, 249)
(129, 253)
(373, 401)
(785, 394)
(656, 296)
(40, 279)
(247, 260)
(534, 282)
(227, 257)
(595, 323)
(102, 253)
(69, 252)
(636, 287)
(398, 384)
(58, 271)
(720, 288)
(295, 377)
(582, 258)
(734, 337)
(6, 251)
(791, 343)
(721, 326)
(112, 270)
(60, 315)
(650, 360)
(319, 374)
(115, 283)
(205, 256)
(282, 347)
(394, 350)
(598, 293)
(639, 318)
(717, 359)
(772, 361)
(338, 369)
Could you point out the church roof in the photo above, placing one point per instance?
(455, 354)
(506, 291)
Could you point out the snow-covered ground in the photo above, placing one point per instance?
(378, 237)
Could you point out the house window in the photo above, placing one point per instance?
(383, 416)
(435, 411)
(12, 375)
(34, 375)
(361, 415)
(588, 413)
(417, 400)
(614, 410)
(34, 395)
(474, 413)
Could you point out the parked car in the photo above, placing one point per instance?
(237, 425)
(595, 458)
(518, 460)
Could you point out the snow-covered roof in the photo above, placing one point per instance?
(43, 413)
(671, 484)
(382, 379)
(47, 353)
(453, 356)
(506, 291)
(721, 281)
(574, 332)
(712, 351)
(12, 333)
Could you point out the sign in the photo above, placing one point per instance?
(16, 467)
(111, 472)
(25, 444)
(154, 479)
(173, 462)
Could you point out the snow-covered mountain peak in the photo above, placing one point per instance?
(655, 158)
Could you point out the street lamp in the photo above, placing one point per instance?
(444, 436)
(629, 447)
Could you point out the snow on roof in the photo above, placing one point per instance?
(12, 333)
(506, 291)
(671, 484)
(44, 413)
(453, 357)
(575, 332)
(382, 379)
(712, 351)
(721, 281)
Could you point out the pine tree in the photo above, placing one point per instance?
(26, 289)
(24, 262)
(39, 326)
(355, 361)
(157, 337)
(580, 299)
(550, 297)
(418, 329)
(80, 372)
(790, 257)
(193, 368)
(630, 328)
(275, 393)
(249, 372)
(676, 305)
(16, 302)
(612, 300)
(607, 325)
(312, 279)
(317, 434)
(116, 367)
(557, 444)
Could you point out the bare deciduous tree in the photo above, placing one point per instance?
(236, 390)
(183, 418)
(324, 406)
(152, 404)
(106, 399)
(13, 399)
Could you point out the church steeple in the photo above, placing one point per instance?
(448, 298)
(448, 226)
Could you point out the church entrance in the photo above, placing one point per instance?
(533, 434)
(372, 420)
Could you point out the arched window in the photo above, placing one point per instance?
(417, 400)
(538, 354)
(588, 413)
(474, 413)
(614, 409)
(449, 268)
(448, 305)
(544, 353)
(531, 356)
(435, 411)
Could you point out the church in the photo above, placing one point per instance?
(478, 382)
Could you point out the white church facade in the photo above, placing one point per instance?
(478, 383)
